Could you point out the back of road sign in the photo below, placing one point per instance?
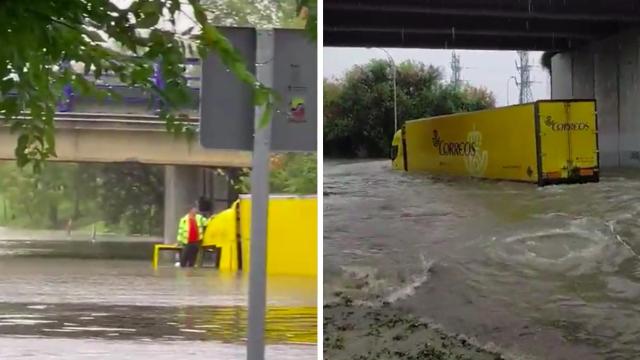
(227, 110)
(226, 104)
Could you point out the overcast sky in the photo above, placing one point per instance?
(490, 69)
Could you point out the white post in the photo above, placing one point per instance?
(395, 94)
(395, 101)
(259, 205)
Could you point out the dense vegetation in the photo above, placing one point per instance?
(127, 198)
(290, 174)
(545, 60)
(358, 108)
(120, 198)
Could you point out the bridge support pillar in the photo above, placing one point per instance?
(609, 71)
(183, 187)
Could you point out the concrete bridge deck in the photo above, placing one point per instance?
(476, 24)
(90, 137)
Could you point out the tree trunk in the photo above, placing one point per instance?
(53, 215)
(76, 193)
(76, 205)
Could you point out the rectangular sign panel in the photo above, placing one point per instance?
(226, 104)
(227, 111)
(295, 62)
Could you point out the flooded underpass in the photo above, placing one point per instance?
(79, 299)
(549, 273)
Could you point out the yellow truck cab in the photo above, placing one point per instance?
(397, 151)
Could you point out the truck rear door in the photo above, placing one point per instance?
(567, 141)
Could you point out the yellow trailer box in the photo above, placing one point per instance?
(546, 142)
(292, 235)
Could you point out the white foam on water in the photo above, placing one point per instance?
(583, 245)
(96, 328)
(27, 321)
(59, 330)
(409, 289)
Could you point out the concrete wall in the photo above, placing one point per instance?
(629, 98)
(582, 75)
(608, 71)
(606, 78)
(561, 76)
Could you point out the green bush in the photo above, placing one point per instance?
(290, 174)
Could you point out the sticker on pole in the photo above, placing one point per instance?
(296, 110)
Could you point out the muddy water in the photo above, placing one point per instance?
(549, 273)
(75, 300)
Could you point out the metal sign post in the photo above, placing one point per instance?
(284, 60)
(259, 205)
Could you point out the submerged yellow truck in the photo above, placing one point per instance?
(292, 235)
(546, 142)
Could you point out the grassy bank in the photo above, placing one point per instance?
(359, 332)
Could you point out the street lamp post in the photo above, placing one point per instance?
(395, 93)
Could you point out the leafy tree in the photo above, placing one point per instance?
(265, 13)
(290, 174)
(40, 196)
(358, 108)
(545, 60)
(127, 197)
(133, 195)
(39, 36)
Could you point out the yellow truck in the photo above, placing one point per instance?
(546, 142)
(292, 235)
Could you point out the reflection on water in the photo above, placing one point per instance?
(218, 323)
(552, 271)
(84, 301)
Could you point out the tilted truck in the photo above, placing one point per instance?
(546, 142)
(292, 235)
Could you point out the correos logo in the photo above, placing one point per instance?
(445, 148)
(565, 126)
(475, 159)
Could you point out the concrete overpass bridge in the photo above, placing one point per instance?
(597, 46)
(99, 137)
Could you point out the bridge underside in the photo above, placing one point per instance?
(555, 25)
(145, 142)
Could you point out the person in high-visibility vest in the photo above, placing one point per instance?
(190, 234)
